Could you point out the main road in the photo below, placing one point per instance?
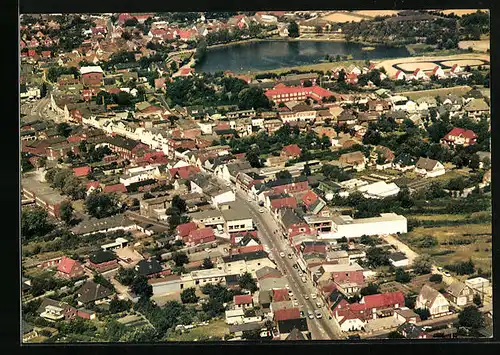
(270, 235)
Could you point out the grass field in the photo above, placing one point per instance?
(463, 63)
(480, 46)
(216, 328)
(342, 17)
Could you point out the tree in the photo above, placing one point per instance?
(189, 295)
(370, 289)
(307, 170)
(126, 276)
(247, 282)
(179, 204)
(254, 159)
(63, 129)
(34, 223)
(253, 334)
(101, 205)
(174, 67)
(283, 174)
(342, 76)
(66, 211)
(293, 29)
(402, 276)
(207, 263)
(474, 162)
(117, 306)
(307, 83)
(141, 287)
(253, 98)
(424, 313)
(180, 258)
(471, 317)
(477, 300)
(377, 257)
(436, 278)
(422, 265)
(318, 29)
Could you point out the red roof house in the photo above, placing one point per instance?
(69, 268)
(460, 136)
(200, 236)
(281, 295)
(291, 151)
(184, 229)
(115, 188)
(309, 198)
(82, 171)
(285, 314)
(243, 301)
(383, 300)
(184, 172)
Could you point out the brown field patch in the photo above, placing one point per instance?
(456, 90)
(463, 62)
(342, 17)
(375, 13)
(461, 12)
(410, 67)
(482, 45)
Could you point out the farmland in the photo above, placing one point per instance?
(480, 46)
(343, 17)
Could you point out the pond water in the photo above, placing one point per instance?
(268, 55)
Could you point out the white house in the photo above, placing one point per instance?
(235, 316)
(237, 218)
(429, 167)
(434, 301)
(387, 223)
(438, 72)
(165, 285)
(400, 75)
(222, 196)
(398, 259)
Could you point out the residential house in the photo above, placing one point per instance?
(103, 260)
(477, 108)
(243, 301)
(398, 259)
(429, 167)
(459, 136)
(432, 300)
(404, 162)
(404, 314)
(291, 151)
(151, 268)
(93, 292)
(412, 331)
(460, 293)
(103, 225)
(237, 218)
(69, 269)
(356, 160)
(292, 223)
(57, 310)
(200, 236)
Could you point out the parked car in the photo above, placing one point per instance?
(319, 303)
(313, 296)
(290, 293)
(282, 254)
(306, 297)
(318, 314)
(446, 273)
(295, 303)
(300, 273)
(295, 266)
(261, 210)
(289, 256)
(304, 280)
(310, 314)
(301, 314)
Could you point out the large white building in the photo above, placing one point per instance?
(387, 223)
(379, 190)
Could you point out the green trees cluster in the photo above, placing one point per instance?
(34, 223)
(100, 205)
(247, 282)
(56, 71)
(462, 268)
(471, 317)
(422, 264)
(376, 257)
(66, 182)
(176, 211)
(218, 295)
(293, 29)
(189, 295)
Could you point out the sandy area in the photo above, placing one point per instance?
(375, 13)
(461, 12)
(463, 63)
(342, 17)
(388, 64)
(410, 67)
(481, 46)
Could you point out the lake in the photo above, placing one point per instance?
(268, 55)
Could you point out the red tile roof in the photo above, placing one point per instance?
(280, 295)
(82, 171)
(457, 132)
(291, 150)
(184, 171)
(309, 198)
(242, 299)
(115, 188)
(383, 300)
(94, 184)
(285, 314)
(186, 228)
(201, 233)
(66, 265)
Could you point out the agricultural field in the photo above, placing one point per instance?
(342, 17)
(456, 90)
(410, 67)
(375, 13)
(480, 46)
(462, 12)
(463, 63)
(216, 328)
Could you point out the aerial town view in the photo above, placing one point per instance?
(255, 176)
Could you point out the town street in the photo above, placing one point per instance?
(320, 328)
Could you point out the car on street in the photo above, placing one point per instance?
(295, 266)
(310, 314)
(301, 314)
(446, 273)
(289, 256)
(300, 273)
(440, 268)
(282, 254)
(290, 293)
(261, 210)
(306, 297)
(318, 314)
(304, 280)
(295, 303)
(319, 303)
(313, 296)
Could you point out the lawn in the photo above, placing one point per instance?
(217, 328)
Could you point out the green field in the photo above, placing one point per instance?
(217, 328)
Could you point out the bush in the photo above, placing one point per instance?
(437, 278)
(423, 313)
(462, 268)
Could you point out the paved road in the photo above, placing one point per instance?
(321, 329)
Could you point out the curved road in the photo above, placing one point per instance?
(321, 329)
